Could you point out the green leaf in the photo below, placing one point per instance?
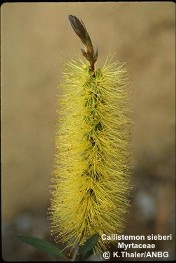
(87, 255)
(43, 245)
(85, 249)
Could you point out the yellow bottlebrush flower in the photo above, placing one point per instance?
(91, 186)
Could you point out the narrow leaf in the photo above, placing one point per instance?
(42, 245)
(88, 245)
(88, 254)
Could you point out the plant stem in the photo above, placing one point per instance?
(80, 29)
(75, 254)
